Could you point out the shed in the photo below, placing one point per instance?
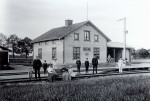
(4, 56)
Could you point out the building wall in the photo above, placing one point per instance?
(70, 43)
(47, 51)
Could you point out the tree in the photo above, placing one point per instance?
(133, 53)
(13, 41)
(143, 53)
(3, 39)
(25, 45)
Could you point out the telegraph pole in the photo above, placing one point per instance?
(125, 32)
(87, 11)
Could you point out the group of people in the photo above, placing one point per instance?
(94, 63)
(37, 64)
(67, 73)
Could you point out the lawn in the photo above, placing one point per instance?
(110, 88)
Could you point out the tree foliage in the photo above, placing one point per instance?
(20, 45)
(25, 45)
(143, 53)
(3, 39)
(13, 41)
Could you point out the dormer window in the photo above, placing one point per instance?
(76, 36)
(86, 35)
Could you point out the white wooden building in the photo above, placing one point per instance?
(65, 44)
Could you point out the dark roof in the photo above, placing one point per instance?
(4, 48)
(61, 32)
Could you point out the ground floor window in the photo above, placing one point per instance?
(40, 53)
(54, 53)
(96, 52)
(76, 52)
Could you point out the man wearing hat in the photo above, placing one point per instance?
(78, 62)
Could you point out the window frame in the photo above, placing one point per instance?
(85, 34)
(97, 38)
(76, 39)
(40, 53)
(76, 53)
(54, 54)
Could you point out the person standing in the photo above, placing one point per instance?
(120, 63)
(86, 65)
(94, 63)
(36, 66)
(45, 66)
(78, 62)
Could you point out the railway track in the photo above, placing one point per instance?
(105, 73)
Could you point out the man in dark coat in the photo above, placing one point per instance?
(78, 62)
(86, 65)
(36, 66)
(95, 63)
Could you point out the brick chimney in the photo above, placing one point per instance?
(68, 22)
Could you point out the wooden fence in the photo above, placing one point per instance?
(21, 60)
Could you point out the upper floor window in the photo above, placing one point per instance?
(40, 53)
(96, 38)
(87, 35)
(76, 36)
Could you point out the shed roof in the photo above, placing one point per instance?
(117, 45)
(61, 32)
(4, 48)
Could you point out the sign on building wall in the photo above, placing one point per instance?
(87, 49)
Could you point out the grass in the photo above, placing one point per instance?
(114, 88)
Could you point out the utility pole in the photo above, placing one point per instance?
(125, 32)
(87, 11)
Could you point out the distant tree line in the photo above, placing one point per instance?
(141, 53)
(18, 45)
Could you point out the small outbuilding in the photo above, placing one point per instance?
(4, 56)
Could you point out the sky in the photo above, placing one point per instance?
(32, 18)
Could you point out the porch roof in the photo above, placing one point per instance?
(118, 45)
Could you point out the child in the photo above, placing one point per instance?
(51, 74)
(66, 76)
(30, 72)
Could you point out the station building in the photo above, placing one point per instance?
(80, 40)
